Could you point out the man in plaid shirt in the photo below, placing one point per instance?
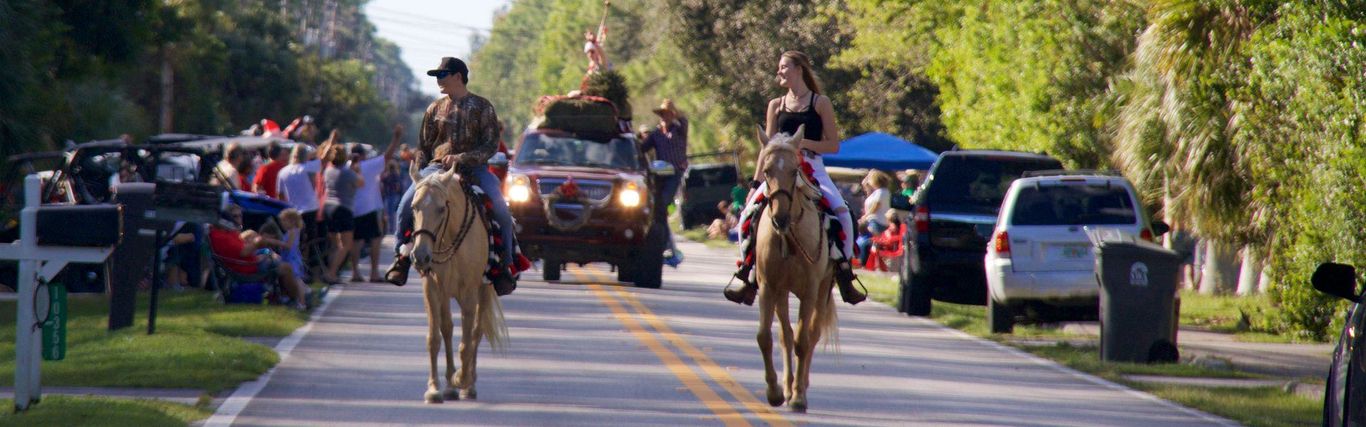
(670, 143)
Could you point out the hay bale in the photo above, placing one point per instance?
(578, 114)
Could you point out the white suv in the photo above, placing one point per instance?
(1039, 262)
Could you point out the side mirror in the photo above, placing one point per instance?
(901, 202)
(499, 160)
(662, 168)
(1339, 280)
(1160, 228)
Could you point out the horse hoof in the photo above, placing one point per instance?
(469, 394)
(798, 407)
(450, 394)
(432, 396)
(775, 399)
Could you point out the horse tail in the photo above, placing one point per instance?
(491, 318)
(827, 321)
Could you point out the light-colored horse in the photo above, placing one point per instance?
(792, 256)
(450, 251)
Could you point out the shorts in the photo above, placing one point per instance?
(367, 226)
(313, 227)
(339, 219)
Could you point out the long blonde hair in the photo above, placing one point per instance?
(808, 76)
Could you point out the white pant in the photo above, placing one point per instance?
(832, 196)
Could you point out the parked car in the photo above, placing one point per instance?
(1344, 395)
(954, 215)
(586, 195)
(704, 186)
(1039, 262)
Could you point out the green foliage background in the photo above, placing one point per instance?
(83, 70)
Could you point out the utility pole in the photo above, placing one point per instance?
(167, 90)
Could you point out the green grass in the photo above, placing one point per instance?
(1257, 407)
(1252, 406)
(101, 411)
(1246, 317)
(700, 235)
(195, 344)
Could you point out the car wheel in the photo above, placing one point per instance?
(915, 291)
(1000, 318)
(550, 269)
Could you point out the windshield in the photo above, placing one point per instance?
(1074, 205)
(977, 185)
(545, 150)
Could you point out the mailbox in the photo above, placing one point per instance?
(80, 225)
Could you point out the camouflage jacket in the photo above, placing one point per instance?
(468, 127)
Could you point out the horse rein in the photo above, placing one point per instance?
(443, 254)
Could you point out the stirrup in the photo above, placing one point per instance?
(745, 294)
(846, 279)
(398, 271)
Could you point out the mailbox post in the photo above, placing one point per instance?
(38, 264)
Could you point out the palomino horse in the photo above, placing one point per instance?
(450, 251)
(792, 256)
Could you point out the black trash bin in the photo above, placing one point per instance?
(1138, 282)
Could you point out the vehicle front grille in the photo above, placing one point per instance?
(594, 190)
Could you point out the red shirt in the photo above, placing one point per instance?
(227, 244)
(265, 178)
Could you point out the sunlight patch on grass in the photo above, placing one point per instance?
(102, 411)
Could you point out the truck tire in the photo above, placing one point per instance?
(648, 263)
(999, 316)
(550, 269)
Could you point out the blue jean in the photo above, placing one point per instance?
(482, 178)
(668, 188)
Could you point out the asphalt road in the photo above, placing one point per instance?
(589, 351)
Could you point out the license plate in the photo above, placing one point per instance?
(1075, 252)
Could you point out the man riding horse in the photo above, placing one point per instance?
(461, 131)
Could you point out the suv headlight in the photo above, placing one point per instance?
(519, 188)
(629, 196)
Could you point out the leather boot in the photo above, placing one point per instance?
(503, 282)
(746, 292)
(398, 272)
(844, 276)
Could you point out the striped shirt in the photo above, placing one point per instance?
(670, 145)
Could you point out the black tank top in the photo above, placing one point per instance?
(788, 121)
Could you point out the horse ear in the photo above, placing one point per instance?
(800, 133)
(414, 173)
(760, 135)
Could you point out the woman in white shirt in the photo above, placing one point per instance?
(875, 206)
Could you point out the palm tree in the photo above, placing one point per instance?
(1174, 129)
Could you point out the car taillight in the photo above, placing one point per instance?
(1002, 244)
(922, 219)
(1146, 235)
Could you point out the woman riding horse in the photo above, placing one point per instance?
(806, 113)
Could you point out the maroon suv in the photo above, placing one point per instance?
(581, 198)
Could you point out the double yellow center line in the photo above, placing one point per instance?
(685, 373)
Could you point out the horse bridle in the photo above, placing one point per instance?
(786, 232)
(442, 254)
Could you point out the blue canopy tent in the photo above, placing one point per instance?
(877, 150)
